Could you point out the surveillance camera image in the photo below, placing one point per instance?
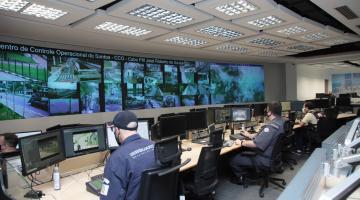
(85, 140)
(48, 147)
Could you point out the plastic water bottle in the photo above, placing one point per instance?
(56, 177)
(243, 127)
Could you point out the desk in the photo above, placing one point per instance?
(73, 187)
(340, 116)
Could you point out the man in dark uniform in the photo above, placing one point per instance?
(263, 141)
(124, 167)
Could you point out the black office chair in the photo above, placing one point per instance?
(205, 178)
(313, 137)
(162, 183)
(276, 165)
(3, 194)
(287, 146)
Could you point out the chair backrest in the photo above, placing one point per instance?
(288, 127)
(217, 137)
(156, 185)
(3, 194)
(205, 178)
(167, 151)
(276, 154)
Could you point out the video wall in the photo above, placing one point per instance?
(345, 83)
(40, 82)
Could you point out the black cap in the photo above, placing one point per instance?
(123, 120)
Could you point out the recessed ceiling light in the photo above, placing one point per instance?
(269, 53)
(315, 36)
(292, 30)
(301, 47)
(266, 21)
(12, 5)
(267, 42)
(233, 48)
(336, 41)
(123, 29)
(185, 41)
(236, 7)
(217, 31)
(43, 12)
(160, 15)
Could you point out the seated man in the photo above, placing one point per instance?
(124, 168)
(310, 119)
(8, 142)
(263, 141)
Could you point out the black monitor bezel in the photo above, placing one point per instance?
(24, 171)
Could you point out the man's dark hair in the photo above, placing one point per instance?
(275, 108)
(309, 105)
(11, 139)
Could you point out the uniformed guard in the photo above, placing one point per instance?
(124, 167)
(263, 141)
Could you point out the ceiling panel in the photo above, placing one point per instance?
(270, 53)
(89, 4)
(300, 47)
(343, 39)
(185, 40)
(228, 47)
(219, 30)
(165, 13)
(50, 12)
(300, 28)
(104, 24)
(234, 9)
(188, 2)
(327, 32)
(265, 41)
(353, 5)
(279, 16)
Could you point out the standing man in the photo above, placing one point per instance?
(263, 141)
(124, 168)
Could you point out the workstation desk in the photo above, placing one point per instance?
(74, 186)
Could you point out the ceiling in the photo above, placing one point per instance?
(343, 65)
(224, 30)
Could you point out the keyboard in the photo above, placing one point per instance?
(94, 186)
(238, 136)
(203, 141)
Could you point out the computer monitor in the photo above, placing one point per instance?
(143, 129)
(260, 109)
(343, 101)
(321, 103)
(297, 105)
(81, 140)
(25, 134)
(172, 125)
(210, 112)
(150, 120)
(222, 115)
(240, 114)
(217, 137)
(322, 95)
(196, 120)
(285, 106)
(110, 135)
(40, 151)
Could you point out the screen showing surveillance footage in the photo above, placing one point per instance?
(85, 140)
(41, 82)
(48, 147)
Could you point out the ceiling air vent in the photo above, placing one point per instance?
(347, 12)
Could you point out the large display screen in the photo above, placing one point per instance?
(40, 82)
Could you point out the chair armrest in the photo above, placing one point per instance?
(249, 153)
(175, 168)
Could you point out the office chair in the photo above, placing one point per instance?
(313, 137)
(205, 177)
(275, 166)
(162, 183)
(288, 144)
(3, 194)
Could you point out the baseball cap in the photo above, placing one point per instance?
(126, 120)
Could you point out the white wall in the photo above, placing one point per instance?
(304, 81)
